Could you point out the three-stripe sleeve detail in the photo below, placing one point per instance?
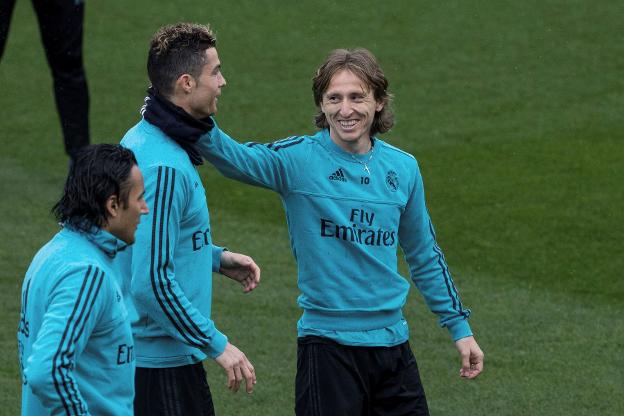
(277, 145)
(284, 143)
(61, 363)
(448, 280)
(279, 142)
(160, 258)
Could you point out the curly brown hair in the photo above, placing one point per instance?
(362, 64)
(176, 50)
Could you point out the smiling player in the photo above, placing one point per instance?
(351, 200)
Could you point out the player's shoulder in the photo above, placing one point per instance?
(66, 261)
(394, 151)
(154, 149)
(136, 136)
(403, 163)
(399, 157)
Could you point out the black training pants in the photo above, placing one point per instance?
(174, 391)
(341, 380)
(61, 28)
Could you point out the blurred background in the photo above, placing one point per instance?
(515, 112)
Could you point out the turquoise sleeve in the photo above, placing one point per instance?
(253, 163)
(71, 314)
(216, 257)
(427, 264)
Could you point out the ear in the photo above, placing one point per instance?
(379, 106)
(185, 83)
(112, 206)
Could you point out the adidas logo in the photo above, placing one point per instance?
(337, 176)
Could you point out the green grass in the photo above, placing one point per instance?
(514, 111)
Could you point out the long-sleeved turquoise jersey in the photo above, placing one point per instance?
(345, 227)
(74, 338)
(172, 259)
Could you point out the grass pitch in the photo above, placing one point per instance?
(514, 111)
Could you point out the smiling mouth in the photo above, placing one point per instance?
(347, 124)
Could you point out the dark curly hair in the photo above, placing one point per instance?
(176, 50)
(97, 172)
(364, 65)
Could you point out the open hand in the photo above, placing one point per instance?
(237, 367)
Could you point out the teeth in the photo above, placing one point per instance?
(347, 123)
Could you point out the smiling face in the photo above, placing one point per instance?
(205, 91)
(349, 107)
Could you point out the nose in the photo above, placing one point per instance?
(345, 108)
(144, 209)
(223, 82)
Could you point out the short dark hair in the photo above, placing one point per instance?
(361, 63)
(97, 172)
(176, 50)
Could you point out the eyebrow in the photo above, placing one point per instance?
(335, 93)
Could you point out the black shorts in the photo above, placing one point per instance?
(334, 379)
(174, 391)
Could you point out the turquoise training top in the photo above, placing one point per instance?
(171, 263)
(74, 338)
(347, 215)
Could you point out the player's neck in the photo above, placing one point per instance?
(360, 146)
